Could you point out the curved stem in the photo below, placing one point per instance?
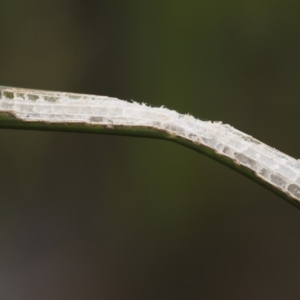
(56, 111)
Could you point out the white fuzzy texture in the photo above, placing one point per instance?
(273, 166)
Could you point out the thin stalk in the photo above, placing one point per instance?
(57, 111)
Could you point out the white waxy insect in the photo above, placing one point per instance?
(271, 167)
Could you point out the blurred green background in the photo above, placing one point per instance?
(100, 217)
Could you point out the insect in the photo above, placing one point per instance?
(45, 110)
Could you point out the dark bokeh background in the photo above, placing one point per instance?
(100, 217)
